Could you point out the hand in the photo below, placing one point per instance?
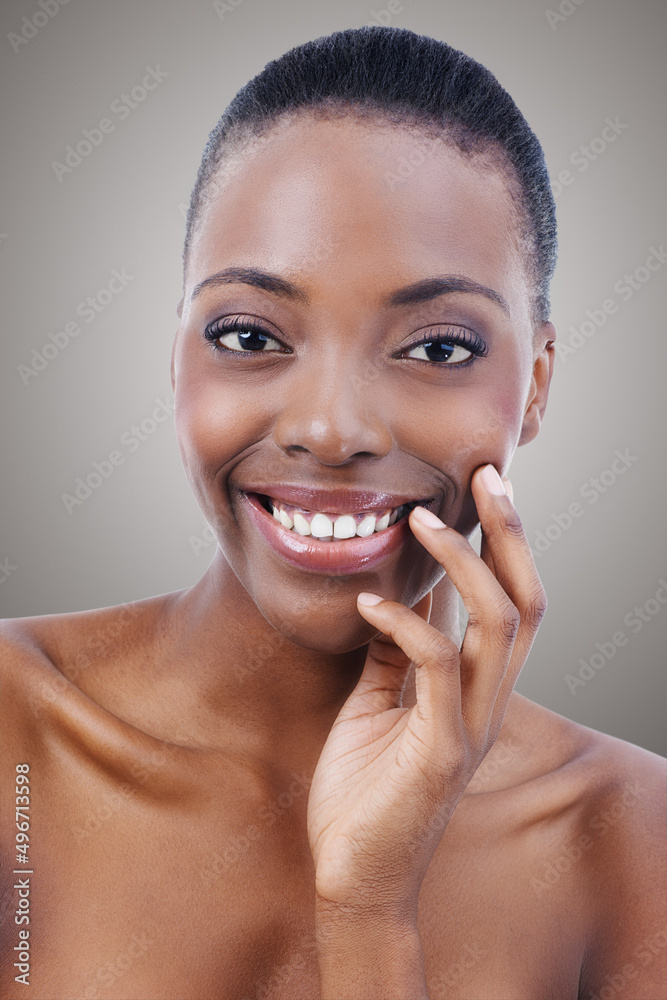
(388, 778)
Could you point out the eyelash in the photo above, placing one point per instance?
(458, 337)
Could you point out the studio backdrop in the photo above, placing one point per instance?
(105, 111)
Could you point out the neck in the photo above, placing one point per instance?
(247, 682)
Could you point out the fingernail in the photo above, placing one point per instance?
(426, 517)
(492, 481)
(369, 599)
(508, 489)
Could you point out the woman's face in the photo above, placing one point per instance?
(339, 392)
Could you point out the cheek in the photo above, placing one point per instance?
(466, 430)
(213, 424)
(490, 431)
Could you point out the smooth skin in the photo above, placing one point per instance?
(260, 786)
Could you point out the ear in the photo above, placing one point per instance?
(173, 363)
(179, 311)
(543, 369)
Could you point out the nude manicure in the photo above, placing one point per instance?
(492, 481)
(427, 517)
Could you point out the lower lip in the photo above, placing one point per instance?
(352, 555)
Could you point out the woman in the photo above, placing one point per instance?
(296, 779)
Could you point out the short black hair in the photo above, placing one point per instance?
(406, 80)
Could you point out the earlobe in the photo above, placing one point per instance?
(539, 387)
(173, 364)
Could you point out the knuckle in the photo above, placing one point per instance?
(508, 622)
(536, 608)
(513, 525)
(439, 649)
(455, 760)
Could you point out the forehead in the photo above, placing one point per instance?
(351, 200)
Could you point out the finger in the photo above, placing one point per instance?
(485, 552)
(505, 548)
(436, 660)
(385, 673)
(492, 618)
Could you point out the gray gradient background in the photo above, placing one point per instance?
(122, 207)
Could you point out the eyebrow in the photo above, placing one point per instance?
(431, 288)
(419, 291)
(252, 276)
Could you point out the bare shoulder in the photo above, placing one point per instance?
(544, 747)
(59, 637)
(616, 788)
(74, 641)
(50, 667)
(27, 666)
(65, 748)
(543, 755)
(604, 802)
(626, 869)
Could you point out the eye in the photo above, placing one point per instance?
(227, 333)
(451, 346)
(441, 351)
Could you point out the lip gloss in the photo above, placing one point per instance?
(340, 556)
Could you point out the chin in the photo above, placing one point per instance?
(318, 627)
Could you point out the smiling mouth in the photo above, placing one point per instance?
(330, 527)
(315, 548)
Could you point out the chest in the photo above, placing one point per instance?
(135, 897)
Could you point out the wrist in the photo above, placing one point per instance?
(369, 951)
(399, 915)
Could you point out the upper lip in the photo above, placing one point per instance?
(335, 501)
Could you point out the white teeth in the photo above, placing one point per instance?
(284, 518)
(367, 526)
(328, 526)
(301, 525)
(345, 527)
(321, 526)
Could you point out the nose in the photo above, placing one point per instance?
(334, 415)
